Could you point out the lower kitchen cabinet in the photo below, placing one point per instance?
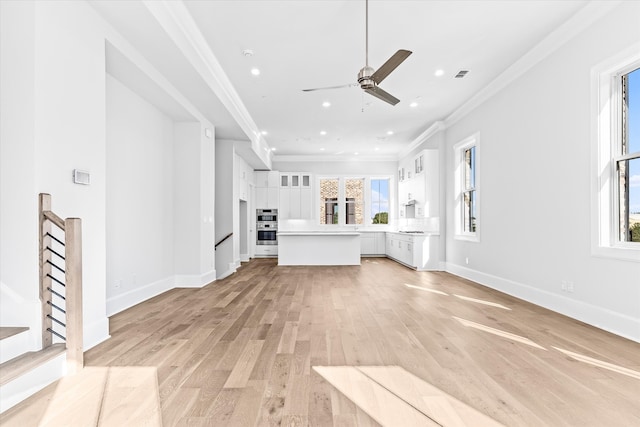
(372, 243)
(419, 251)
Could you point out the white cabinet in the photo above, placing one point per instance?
(419, 251)
(422, 186)
(295, 196)
(267, 186)
(372, 243)
(265, 179)
(430, 185)
(400, 247)
(267, 198)
(244, 177)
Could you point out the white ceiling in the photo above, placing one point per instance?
(307, 44)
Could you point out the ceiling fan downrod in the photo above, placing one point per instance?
(364, 76)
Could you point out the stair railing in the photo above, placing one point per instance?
(215, 248)
(61, 281)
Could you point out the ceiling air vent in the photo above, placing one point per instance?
(461, 74)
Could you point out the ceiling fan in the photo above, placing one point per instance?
(368, 78)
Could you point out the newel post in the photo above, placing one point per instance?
(44, 228)
(73, 276)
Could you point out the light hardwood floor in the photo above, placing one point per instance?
(245, 350)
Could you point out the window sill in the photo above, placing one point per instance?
(620, 253)
(467, 237)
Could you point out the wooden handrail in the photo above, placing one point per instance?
(59, 222)
(72, 242)
(223, 239)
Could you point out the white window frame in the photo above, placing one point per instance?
(459, 188)
(368, 198)
(606, 92)
(342, 203)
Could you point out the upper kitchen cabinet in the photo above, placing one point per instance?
(418, 193)
(295, 196)
(244, 177)
(266, 179)
(430, 181)
(267, 189)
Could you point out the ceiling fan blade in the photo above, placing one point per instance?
(381, 94)
(391, 64)
(329, 87)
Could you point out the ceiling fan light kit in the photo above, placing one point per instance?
(368, 78)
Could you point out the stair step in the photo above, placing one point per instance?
(9, 331)
(17, 366)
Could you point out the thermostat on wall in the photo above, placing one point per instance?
(81, 177)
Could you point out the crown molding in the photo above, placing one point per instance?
(333, 158)
(557, 38)
(424, 136)
(179, 25)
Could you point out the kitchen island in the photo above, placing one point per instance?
(318, 248)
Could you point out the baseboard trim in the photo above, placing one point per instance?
(128, 299)
(194, 280)
(608, 320)
(227, 273)
(96, 332)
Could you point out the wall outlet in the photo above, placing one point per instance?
(118, 284)
(563, 285)
(570, 286)
(466, 260)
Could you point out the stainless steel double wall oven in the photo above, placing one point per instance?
(267, 226)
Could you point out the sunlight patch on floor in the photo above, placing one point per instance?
(393, 397)
(498, 332)
(435, 291)
(601, 364)
(97, 396)
(480, 301)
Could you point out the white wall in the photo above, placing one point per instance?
(194, 204)
(140, 229)
(535, 179)
(19, 305)
(226, 209)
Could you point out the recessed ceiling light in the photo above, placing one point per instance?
(439, 73)
(264, 132)
(247, 52)
(326, 104)
(413, 104)
(255, 71)
(356, 153)
(273, 148)
(389, 132)
(323, 132)
(377, 149)
(322, 149)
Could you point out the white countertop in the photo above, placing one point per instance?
(349, 233)
(318, 233)
(424, 233)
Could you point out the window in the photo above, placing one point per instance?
(329, 208)
(469, 191)
(354, 200)
(616, 157)
(627, 159)
(466, 189)
(354, 193)
(379, 201)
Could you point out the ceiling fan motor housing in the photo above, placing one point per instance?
(364, 78)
